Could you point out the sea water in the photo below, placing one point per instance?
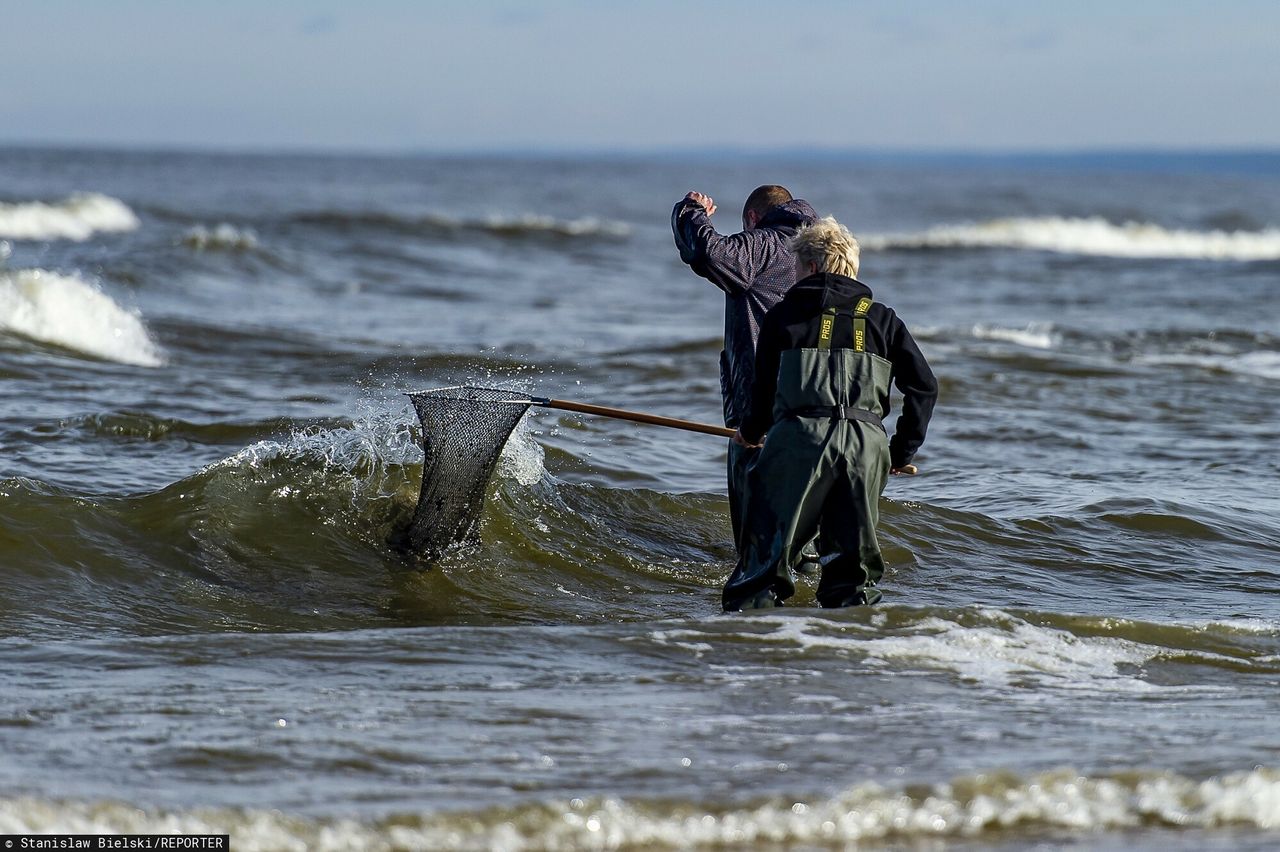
(206, 447)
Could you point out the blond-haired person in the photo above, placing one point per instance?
(826, 358)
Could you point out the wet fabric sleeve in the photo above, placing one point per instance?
(725, 261)
(768, 358)
(919, 388)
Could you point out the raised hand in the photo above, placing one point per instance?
(704, 200)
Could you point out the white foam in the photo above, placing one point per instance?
(1260, 626)
(1034, 336)
(77, 218)
(1090, 236)
(998, 655)
(1263, 364)
(222, 236)
(968, 807)
(994, 652)
(67, 311)
(586, 226)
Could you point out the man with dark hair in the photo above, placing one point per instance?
(754, 268)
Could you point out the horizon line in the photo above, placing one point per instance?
(605, 152)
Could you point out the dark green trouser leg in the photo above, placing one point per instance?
(851, 515)
(740, 458)
(812, 472)
(780, 486)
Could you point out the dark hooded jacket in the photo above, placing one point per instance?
(796, 323)
(754, 269)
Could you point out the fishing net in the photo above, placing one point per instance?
(463, 432)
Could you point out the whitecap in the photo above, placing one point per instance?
(983, 805)
(996, 652)
(76, 218)
(222, 236)
(1090, 236)
(67, 311)
(1033, 336)
(1263, 364)
(530, 223)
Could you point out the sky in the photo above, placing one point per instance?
(499, 75)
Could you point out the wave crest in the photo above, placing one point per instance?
(516, 227)
(1090, 236)
(224, 237)
(983, 805)
(77, 218)
(1263, 364)
(68, 312)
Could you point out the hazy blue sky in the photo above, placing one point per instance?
(394, 74)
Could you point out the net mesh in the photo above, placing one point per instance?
(463, 432)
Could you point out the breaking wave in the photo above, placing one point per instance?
(69, 312)
(221, 237)
(997, 649)
(984, 805)
(1090, 236)
(1262, 364)
(1033, 336)
(528, 225)
(77, 218)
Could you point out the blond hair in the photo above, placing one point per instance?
(829, 245)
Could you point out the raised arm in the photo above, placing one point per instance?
(725, 261)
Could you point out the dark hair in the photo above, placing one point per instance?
(764, 198)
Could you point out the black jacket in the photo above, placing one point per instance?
(754, 269)
(794, 324)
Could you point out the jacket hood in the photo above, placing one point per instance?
(838, 291)
(790, 216)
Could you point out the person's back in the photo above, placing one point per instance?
(827, 356)
(755, 269)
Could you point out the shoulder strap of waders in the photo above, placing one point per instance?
(859, 315)
(826, 327)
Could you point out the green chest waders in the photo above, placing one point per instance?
(824, 465)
